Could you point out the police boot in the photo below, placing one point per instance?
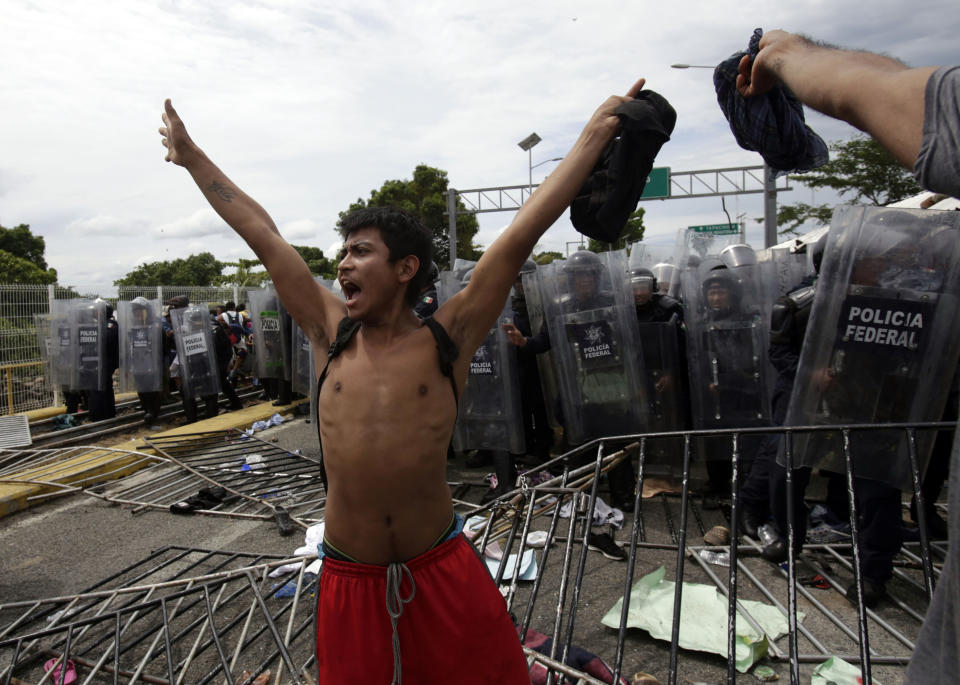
(506, 472)
(621, 478)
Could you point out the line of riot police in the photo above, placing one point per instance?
(604, 347)
(159, 348)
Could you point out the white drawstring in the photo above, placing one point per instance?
(395, 604)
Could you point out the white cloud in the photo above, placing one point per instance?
(106, 225)
(202, 223)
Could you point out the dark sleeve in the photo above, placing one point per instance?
(539, 343)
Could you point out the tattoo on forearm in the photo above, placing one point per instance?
(222, 191)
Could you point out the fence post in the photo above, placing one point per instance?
(160, 293)
(51, 296)
(236, 294)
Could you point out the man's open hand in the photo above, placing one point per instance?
(180, 148)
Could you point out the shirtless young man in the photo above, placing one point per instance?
(386, 414)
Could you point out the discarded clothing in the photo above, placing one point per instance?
(274, 420)
(205, 499)
(613, 189)
(454, 628)
(703, 618)
(603, 513)
(577, 657)
(772, 123)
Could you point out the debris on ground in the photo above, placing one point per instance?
(703, 618)
(836, 671)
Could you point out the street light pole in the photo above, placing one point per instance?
(527, 145)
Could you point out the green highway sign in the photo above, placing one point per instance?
(716, 229)
(658, 183)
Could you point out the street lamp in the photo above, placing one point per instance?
(527, 145)
(690, 66)
(546, 161)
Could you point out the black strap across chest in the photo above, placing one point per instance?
(447, 353)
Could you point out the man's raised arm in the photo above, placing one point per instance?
(310, 304)
(470, 314)
(877, 94)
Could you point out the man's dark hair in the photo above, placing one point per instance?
(230, 306)
(402, 233)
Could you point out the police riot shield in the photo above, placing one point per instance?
(534, 294)
(882, 342)
(661, 261)
(593, 332)
(141, 345)
(286, 332)
(489, 415)
(89, 321)
(788, 266)
(193, 334)
(264, 309)
(303, 375)
(727, 317)
(62, 342)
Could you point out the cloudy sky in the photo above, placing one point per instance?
(310, 105)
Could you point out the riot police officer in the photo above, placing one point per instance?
(141, 355)
(599, 379)
(536, 425)
(101, 399)
(663, 349)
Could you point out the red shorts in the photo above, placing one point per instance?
(455, 629)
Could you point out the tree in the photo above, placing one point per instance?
(632, 232)
(319, 265)
(244, 276)
(22, 257)
(542, 258)
(425, 196)
(861, 167)
(199, 269)
(21, 242)
(15, 269)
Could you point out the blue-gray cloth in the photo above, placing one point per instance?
(771, 124)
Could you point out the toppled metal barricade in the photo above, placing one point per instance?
(180, 615)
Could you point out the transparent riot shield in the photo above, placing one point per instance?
(665, 387)
(489, 414)
(264, 308)
(593, 332)
(788, 266)
(62, 341)
(89, 321)
(192, 332)
(727, 319)
(535, 311)
(883, 338)
(661, 260)
(303, 375)
(141, 345)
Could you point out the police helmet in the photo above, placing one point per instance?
(665, 273)
(640, 275)
(720, 277)
(528, 267)
(433, 275)
(583, 262)
(466, 276)
(738, 255)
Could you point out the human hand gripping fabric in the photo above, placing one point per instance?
(759, 75)
(605, 120)
(180, 147)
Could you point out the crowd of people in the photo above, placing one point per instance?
(386, 412)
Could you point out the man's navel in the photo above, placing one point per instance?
(422, 390)
(338, 386)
